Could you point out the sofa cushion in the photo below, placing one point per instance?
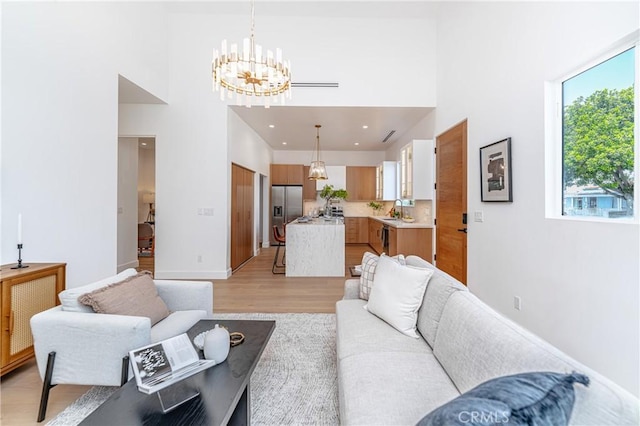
(177, 323)
(357, 331)
(369, 264)
(441, 286)
(543, 398)
(135, 296)
(397, 294)
(474, 343)
(69, 297)
(391, 388)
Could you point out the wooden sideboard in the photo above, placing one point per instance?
(25, 292)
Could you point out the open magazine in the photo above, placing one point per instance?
(162, 364)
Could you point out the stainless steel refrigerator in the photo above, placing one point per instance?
(286, 205)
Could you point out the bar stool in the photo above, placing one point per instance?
(281, 241)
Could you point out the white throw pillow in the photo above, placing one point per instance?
(397, 294)
(368, 271)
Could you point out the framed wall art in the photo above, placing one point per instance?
(495, 171)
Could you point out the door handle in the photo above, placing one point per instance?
(463, 230)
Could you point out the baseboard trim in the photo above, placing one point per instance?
(192, 275)
(132, 264)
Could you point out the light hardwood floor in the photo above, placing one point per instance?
(252, 288)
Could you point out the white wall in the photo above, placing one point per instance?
(127, 203)
(578, 280)
(422, 130)
(60, 65)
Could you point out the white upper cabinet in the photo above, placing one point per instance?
(337, 177)
(386, 182)
(416, 170)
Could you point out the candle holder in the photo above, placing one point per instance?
(19, 265)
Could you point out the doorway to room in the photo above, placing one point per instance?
(136, 222)
(146, 188)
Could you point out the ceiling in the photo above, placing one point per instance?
(342, 127)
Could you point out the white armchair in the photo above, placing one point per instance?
(75, 345)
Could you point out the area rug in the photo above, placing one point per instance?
(294, 383)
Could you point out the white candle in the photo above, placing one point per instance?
(19, 228)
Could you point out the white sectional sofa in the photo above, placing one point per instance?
(388, 378)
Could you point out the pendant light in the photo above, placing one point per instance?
(318, 170)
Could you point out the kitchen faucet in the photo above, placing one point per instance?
(401, 207)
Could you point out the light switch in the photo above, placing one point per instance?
(478, 216)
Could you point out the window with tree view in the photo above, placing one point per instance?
(598, 139)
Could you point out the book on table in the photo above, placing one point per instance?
(159, 365)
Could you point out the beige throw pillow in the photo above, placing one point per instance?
(369, 263)
(397, 294)
(135, 296)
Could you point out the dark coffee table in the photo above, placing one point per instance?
(224, 388)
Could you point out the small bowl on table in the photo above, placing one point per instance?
(408, 219)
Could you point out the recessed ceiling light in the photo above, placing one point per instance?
(284, 143)
(271, 126)
(357, 143)
(365, 127)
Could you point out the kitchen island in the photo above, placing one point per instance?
(315, 248)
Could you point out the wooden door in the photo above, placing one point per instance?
(241, 215)
(247, 238)
(451, 202)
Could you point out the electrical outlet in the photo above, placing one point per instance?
(517, 303)
(200, 211)
(199, 258)
(478, 216)
(208, 211)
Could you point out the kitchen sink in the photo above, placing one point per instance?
(390, 219)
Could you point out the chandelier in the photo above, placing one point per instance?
(251, 73)
(317, 171)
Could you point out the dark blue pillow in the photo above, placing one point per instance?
(535, 399)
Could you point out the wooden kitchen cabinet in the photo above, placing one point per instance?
(25, 292)
(411, 241)
(375, 235)
(287, 174)
(356, 230)
(309, 192)
(361, 183)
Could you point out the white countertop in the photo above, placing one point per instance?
(397, 223)
(318, 221)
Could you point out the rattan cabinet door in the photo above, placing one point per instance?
(25, 292)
